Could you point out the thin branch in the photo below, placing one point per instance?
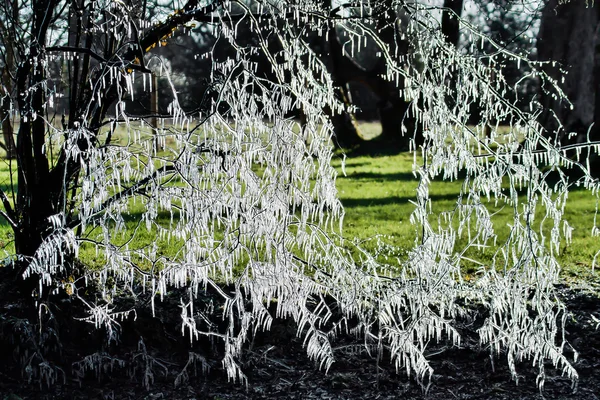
(131, 190)
(10, 221)
(7, 207)
(573, 146)
(93, 54)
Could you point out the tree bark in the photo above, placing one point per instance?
(7, 129)
(567, 35)
(37, 199)
(5, 109)
(451, 22)
(451, 14)
(393, 110)
(570, 35)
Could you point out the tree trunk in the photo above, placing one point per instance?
(567, 35)
(393, 110)
(345, 126)
(451, 30)
(38, 196)
(7, 128)
(451, 22)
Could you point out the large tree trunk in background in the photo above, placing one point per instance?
(451, 31)
(450, 20)
(344, 124)
(569, 35)
(393, 110)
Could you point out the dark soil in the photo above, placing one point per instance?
(277, 366)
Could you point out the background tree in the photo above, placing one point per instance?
(241, 201)
(513, 26)
(362, 64)
(7, 62)
(451, 17)
(569, 36)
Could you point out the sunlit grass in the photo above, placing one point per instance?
(376, 193)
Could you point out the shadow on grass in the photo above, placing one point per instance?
(385, 201)
(353, 163)
(375, 148)
(375, 176)
(162, 217)
(3, 223)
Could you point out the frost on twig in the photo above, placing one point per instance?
(194, 361)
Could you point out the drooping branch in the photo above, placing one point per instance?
(100, 103)
(160, 172)
(96, 56)
(8, 212)
(130, 191)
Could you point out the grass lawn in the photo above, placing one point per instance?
(376, 193)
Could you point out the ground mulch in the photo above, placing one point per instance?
(277, 368)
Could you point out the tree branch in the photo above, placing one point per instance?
(96, 56)
(563, 149)
(130, 190)
(9, 213)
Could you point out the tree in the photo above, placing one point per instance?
(8, 67)
(512, 25)
(451, 20)
(399, 128)
(575, 51)
(246, 199)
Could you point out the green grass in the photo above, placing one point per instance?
(6, 234)
(376, 193)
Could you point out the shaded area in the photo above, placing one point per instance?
(384, 201)
(377, 176)
(278, 368)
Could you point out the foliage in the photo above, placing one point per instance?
(246, 196)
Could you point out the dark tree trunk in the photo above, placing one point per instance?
(37, 198)
(567, 36)
(397, 125)
(570, 35)
(7, 128)
(451, 30)
(450, 20)
(345, 126)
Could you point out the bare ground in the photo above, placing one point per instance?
(277, 367)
